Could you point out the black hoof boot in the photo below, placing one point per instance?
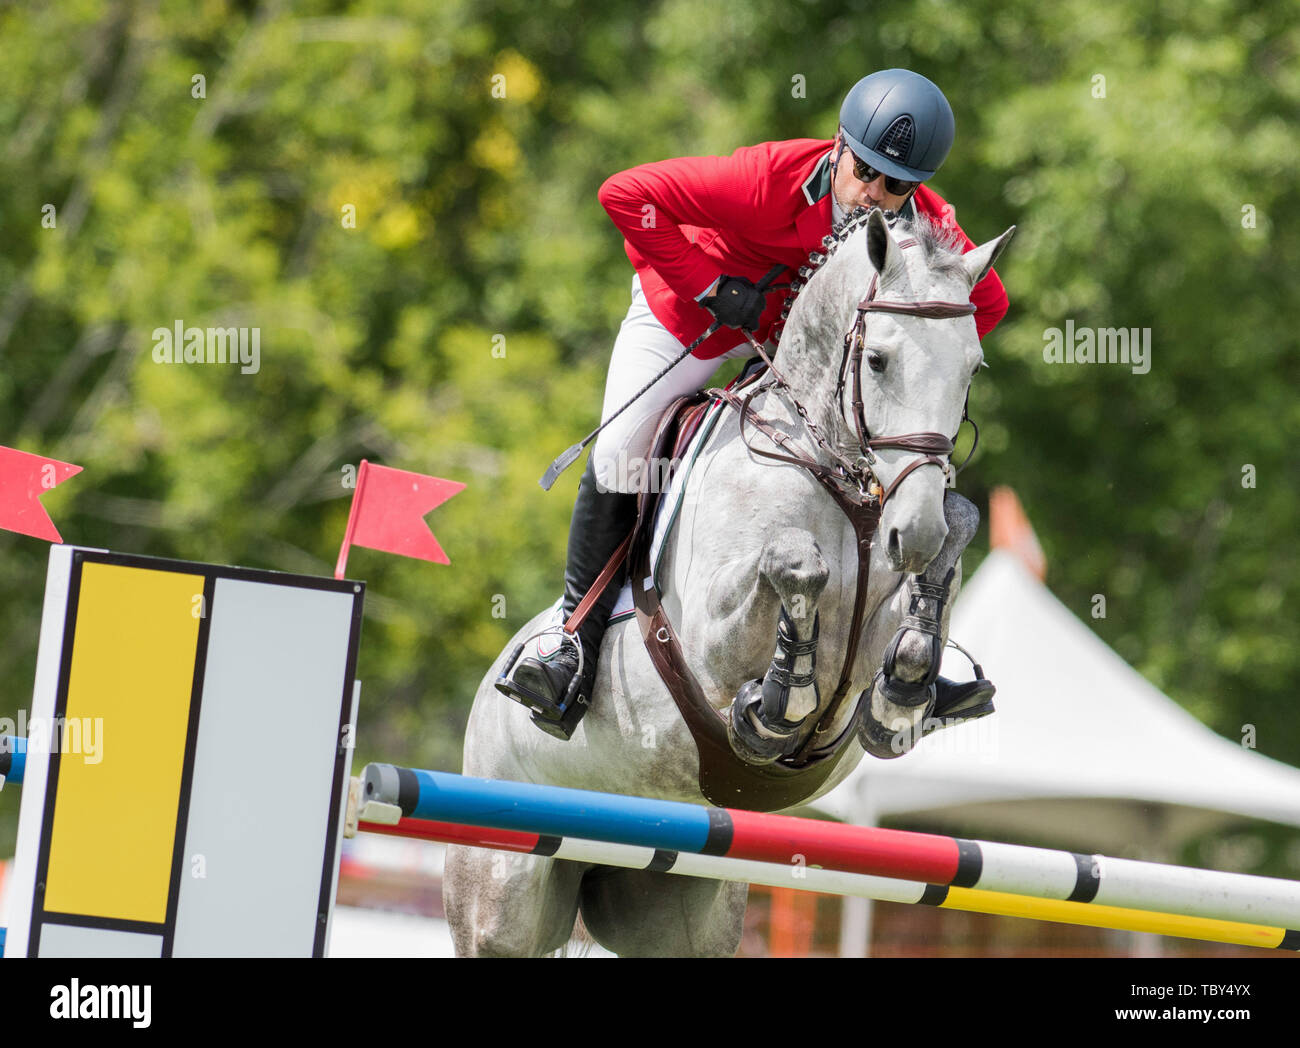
(914, 703)
(950, 703)
(764, 702)
(747, 742)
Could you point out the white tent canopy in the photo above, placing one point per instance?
(1082, 753)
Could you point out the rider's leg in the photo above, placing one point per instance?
(605, 510)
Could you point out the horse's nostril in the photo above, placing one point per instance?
(895, 546)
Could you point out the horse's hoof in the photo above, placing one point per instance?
(882, 743)
(912, 703)
(747, 742)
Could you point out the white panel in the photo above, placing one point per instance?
(343, 811)
(264, 771)
(48, 656)
(64, 940)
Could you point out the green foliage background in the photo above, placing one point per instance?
(477, 216)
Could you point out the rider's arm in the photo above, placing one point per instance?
(649, 204)
(991, 303)
(989, 296)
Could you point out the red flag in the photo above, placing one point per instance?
(23, 479)
(388, 511)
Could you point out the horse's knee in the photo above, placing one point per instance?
(504, 905)
(963, 520)
(497, 941)
(794, 566)
(498, 930)
(962, 517)
(475, 936)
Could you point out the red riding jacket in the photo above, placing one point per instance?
(688, 220)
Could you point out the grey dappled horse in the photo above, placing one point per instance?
(752, 538)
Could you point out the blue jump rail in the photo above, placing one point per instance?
(13, 758)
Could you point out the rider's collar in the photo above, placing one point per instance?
(818, 182)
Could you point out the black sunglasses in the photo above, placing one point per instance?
(867, 173)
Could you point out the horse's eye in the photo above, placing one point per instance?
(876, 362)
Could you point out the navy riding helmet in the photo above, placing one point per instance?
(899, 123)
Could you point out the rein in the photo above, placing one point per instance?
(865, 500)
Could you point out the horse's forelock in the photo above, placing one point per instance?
(940, 245)
(933, 255)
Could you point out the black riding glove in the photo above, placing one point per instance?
(737, 303)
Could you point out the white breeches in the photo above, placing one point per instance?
(644, 347)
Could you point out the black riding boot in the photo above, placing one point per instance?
(550, 688)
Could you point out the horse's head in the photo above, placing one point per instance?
(899, 399)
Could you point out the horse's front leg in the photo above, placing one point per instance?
(899, 706)
(767, 713)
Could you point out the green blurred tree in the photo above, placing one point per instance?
(461, 325)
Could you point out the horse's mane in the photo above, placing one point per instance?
(942, 247)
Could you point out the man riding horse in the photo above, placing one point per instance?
(700, 232)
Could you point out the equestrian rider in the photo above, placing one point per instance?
(700, 231)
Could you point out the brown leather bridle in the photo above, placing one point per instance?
(933, 447)
(864, 506)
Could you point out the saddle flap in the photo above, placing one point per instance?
(677, 426)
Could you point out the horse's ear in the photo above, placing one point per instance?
(884, 253)
(978, 261)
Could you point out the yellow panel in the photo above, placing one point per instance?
(133, 673)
